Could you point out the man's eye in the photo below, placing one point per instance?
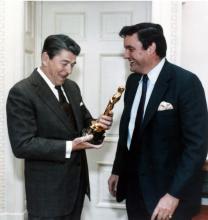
(131, 49)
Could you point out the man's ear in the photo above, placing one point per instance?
(152, 48)
(45, 59)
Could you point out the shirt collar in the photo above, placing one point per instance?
(154, 73)
(47, 80)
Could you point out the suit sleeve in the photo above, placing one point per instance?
(194, 123)
(119, 161)
(22, 129)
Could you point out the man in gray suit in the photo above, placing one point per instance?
(46, 116)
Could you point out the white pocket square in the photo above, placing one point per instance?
(81, 103)
(165, 106)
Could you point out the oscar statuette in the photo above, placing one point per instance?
(95, 129)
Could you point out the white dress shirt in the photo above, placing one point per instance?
(55, 92)
(152, 78)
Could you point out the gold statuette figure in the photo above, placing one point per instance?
(95, 129)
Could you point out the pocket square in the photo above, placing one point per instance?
(165, 106)
(81, 103)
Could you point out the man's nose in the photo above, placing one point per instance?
(126, 54)
(68, 68)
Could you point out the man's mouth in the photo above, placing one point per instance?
(132, 62)
(63, 77)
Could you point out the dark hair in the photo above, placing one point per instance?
(148, 33)
(54, 43)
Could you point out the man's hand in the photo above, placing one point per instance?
(112, 184)
(165, 208)
(82, 143)
(106, 121)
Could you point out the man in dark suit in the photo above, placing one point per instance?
(163, 132)
(46, 116)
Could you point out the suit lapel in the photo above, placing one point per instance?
(158, 92)
(45, 93)
(74, 104)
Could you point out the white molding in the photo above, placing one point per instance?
(168, 14)
(13, 216)
(105, 55)
(29, 37)
(105, 200)
(78, 74)
(111, 205)
(38, 32)
(175, 37)
(13, 201)
(104, 163)
(113, 36)
(78, 35)
(110, 139)
(204, 201)
(2, 97)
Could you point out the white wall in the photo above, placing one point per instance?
(194, 47)
(12, 205)
(193, 56)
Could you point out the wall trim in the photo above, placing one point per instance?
(2, 97)
(13, 216)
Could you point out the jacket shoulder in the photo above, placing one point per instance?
(21, 85)
(182, 77)
(71, 83)
(132, 78)
(180, 72)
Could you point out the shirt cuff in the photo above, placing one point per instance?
(68, 149)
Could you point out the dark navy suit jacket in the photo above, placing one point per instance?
(173, 143)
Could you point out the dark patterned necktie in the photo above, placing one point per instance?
(138, 122)
(66, 106)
